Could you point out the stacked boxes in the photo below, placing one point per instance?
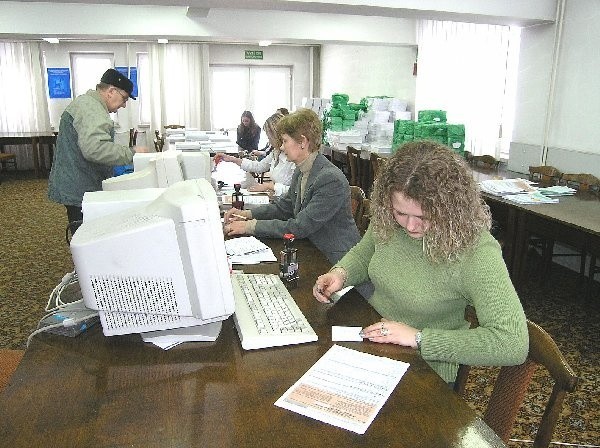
(456, 138)
(431, 126)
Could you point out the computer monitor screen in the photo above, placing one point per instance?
(160, 170)
(156, 267)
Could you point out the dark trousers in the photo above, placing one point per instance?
(75, 217)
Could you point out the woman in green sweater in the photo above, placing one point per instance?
(429, 254)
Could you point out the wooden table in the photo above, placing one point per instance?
(36, 140)
(119, 392)
(574, 220)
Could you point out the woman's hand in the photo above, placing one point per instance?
(234, 214)
(220, 157)
(235, 228)
(262, 187)
(326, 285)
(390, 332)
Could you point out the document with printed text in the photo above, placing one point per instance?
(345, 388)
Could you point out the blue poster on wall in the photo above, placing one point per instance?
(131, 73)
(59, 82)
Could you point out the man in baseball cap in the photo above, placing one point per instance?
(85, 149)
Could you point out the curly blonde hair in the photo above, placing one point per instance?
(303, 122)
(439, 180)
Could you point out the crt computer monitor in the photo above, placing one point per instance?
(157, 267)
(162, 169)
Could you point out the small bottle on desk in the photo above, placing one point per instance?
(288, 262)
(237, 198)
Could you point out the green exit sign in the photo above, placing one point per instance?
(253, 54)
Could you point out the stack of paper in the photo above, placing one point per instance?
(530, 198)
(501, 187)
(248, 250)
(557, 190)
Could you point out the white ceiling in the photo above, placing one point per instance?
(374, 22)
(505, 12)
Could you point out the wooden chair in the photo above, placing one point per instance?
(366, 216)
(580, 181)
(353, 158)
(9, 361)
(6, 159)
(159, 141)
(468, 157)
(132, 137)
(485, 161)
(174, 126)
(512, 382)
(545, 175)
(357, 196)
(376, 162)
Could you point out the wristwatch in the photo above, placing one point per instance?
(418, 337)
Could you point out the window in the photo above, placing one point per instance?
(87, 68)
(238, 88)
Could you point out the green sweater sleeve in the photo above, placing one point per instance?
(502, 337)
(356, 261)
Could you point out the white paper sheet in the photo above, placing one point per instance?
(346, 334)
(248, 250)
(345, 388)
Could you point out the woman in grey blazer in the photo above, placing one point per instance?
(317, 205)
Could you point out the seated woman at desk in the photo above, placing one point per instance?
(275, 162)
(248, 133)
(317, 205)
(429, 254)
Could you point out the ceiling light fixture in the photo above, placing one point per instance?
(51, 40)
(163, 41)
(264, 43)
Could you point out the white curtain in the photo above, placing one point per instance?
(179, 85)
(23, 103)
(466, 69)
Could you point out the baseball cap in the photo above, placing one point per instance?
(114, 78)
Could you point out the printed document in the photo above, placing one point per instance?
(345, 388)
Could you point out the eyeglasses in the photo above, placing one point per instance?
(123, 95)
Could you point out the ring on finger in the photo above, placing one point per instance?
(384, 331)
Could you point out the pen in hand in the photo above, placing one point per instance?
(243, 218)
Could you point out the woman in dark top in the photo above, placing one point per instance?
(248, 132)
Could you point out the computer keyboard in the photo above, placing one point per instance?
(266, 315)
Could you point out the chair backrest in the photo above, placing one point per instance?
(545, 174)
(159, 141)
(376, 162)
(353, 157)
(581, 181)
(366, 216)
(357, 196)
(512, 382)
(132, 137)
(174, 126)
(486, 161)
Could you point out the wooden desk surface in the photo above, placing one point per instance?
(119, 392)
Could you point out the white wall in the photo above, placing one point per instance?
(360, 71)
(573, 132)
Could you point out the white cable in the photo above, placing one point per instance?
(40, 330)
(68, 279)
